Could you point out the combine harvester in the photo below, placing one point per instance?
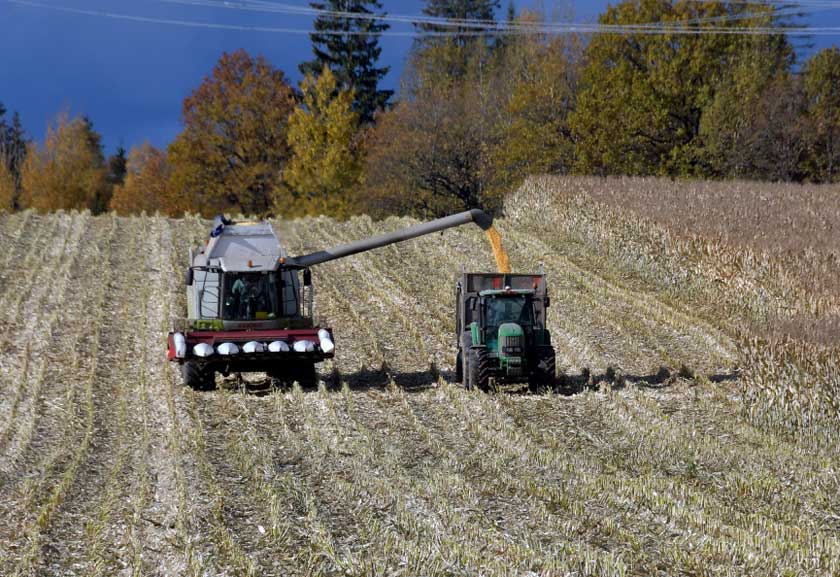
(250, 305)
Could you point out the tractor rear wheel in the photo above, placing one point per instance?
(544, 373)
(198, 377)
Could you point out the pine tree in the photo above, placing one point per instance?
(351, 57)
(117, 167)
(482, 10)
(445, 52)
(12, 150)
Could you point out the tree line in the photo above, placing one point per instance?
(476, 114)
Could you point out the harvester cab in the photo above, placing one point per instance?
(501, 330)
(250, 305)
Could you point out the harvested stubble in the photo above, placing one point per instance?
(388, 468)
(756, 260)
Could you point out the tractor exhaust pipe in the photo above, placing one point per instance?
(479, 217)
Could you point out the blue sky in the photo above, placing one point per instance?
(130, 77)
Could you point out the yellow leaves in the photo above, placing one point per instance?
(232, 150)
(7, 188)
(146, 186)
(324, 167)
(68, 172)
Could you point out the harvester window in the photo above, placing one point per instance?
(251, 296)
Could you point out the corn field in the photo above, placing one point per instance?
(675, 442)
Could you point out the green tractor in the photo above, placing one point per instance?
(501, 329)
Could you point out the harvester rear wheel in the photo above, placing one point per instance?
(198, 377)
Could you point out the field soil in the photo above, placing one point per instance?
(641, 462)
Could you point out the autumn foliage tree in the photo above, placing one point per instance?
(8, 189)
(822, 89)
(323, 171)
(233, 148)
(69, 171)
(538, 83)
(146, 184)
(643, 98)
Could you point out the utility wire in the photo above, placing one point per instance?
(499, 29)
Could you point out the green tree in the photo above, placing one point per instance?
(643, 96)
(233, 148)
(13, 144)
(117, 164)
(539, 84)
(68, 172)
(324, 168)
(447, 52)
(821, 74)
(352, 56)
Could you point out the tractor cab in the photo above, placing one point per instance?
(506, 313)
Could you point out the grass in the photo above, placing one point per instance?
(701, 447)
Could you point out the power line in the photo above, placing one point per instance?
(498, 29)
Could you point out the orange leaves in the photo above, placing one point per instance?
(68, 172)
(232, 151)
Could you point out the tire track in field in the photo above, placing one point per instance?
(91, 531)
(46, 338)
(41, 497)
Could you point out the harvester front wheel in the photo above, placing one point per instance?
(198, 376)
(306, 376)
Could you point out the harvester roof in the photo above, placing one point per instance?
(244, 246)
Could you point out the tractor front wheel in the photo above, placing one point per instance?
(198, 376)
(478, 369)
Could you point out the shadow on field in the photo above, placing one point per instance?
(367, 379)
(570, 384)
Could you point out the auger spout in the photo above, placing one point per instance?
(477, 216)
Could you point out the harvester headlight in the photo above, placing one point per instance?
(327, 344)
(202, 350)
(278, 347)
(180, 345)
(227, 349)
(304, 346)
(253, 347)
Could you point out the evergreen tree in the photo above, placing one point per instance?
(117, 167)
(446, 52)
(352, 57)
(12, 150)
(483, 10)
